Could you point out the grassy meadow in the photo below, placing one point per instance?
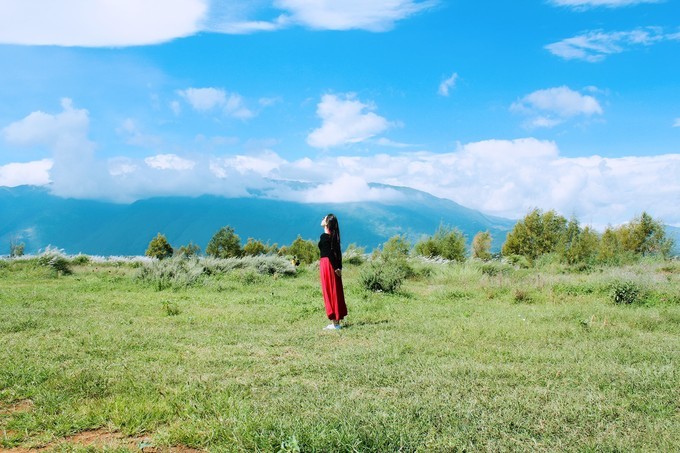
(474, 357)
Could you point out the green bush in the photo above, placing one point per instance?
(382, 276)
(354, 255)
(493, 269)
(625, 292)
(56, 260)
(80, 260)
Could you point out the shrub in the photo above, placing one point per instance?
(625, 292)
(493, 269)
(16, 249)
(446, 243)
(80, 260)
(56, 260)
(382, 276)
(254, 247)
(171, 273)
(189, 250)
(159, 248)
(354, 255)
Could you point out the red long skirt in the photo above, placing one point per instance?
(333, 295)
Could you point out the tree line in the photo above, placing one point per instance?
(538, 234)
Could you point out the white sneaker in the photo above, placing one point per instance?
(332, 327)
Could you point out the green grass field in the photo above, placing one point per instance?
(459, 359)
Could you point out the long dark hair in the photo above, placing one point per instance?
(334, 228)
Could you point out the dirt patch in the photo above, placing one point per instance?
(100, 439)
(19, 406)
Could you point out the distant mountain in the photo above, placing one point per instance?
(674, 233)
(35, 217)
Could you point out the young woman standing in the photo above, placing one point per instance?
(330, 268)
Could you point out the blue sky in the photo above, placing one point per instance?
(571, 105)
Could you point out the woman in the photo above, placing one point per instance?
(330, 268)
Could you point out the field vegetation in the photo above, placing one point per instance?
(228, 354)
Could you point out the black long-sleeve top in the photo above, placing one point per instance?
(332, 253)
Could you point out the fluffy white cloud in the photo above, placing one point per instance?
(595, 46)
(373, 15)
(65, 135)
(39, 128)
(585, 4)
(448, 84)
(345, 120)
(95, 23)
(500, 177)
(551, 106)
(35, 173)
(206, 99)
(169, 162)
(105, 23)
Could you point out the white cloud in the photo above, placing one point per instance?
(36, 173)
(169, 162)
(65, 135)
(552, 106)
(345, 120)
(120, 23)
(372, 15)
(347, 189)
(585, 4)
(204, 99)
(595, 46)
(677, 122)
(448, 84)
(39, 128)
(500, 177)
(96, 23)
(207, 99)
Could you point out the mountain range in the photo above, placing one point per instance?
(32, 216)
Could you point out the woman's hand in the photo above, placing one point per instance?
(338, 272)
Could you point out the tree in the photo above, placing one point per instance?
(189, 250)
(159, 248)
(481, 246)
(609, 250)
(224, 244)
(396, 247)
(578, 245)
(537, 234)
(305, 251)
(645, 236)
(254, 247)
(16, 248)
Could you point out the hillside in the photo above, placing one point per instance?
(35, 217)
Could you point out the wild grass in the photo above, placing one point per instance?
(461, 357)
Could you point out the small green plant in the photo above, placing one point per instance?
(625, 292)
(171, 308)
(522, 296)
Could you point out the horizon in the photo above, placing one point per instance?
(566, 105)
